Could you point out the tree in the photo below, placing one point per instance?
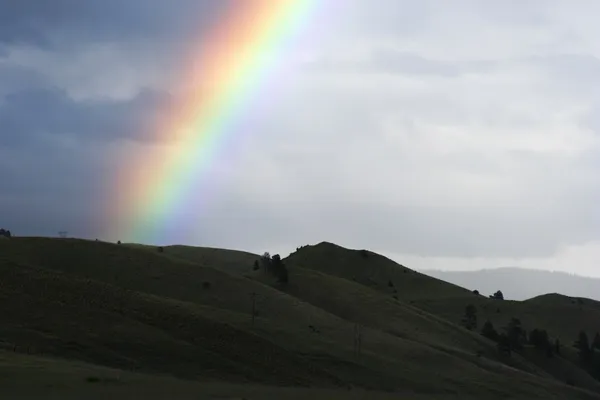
(596, 342)
(470, 319)
(583, 344)
(515, 333)
(504, 343)
(539, 338)
(476, 292)
(488, 331)
(256, 265)
(498, 295)
(279, 269)
(265, 260)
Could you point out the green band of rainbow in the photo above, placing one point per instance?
(237, 59)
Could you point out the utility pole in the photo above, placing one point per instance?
(357, 339)
(253, 307)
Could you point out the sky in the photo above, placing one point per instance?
(445, 135)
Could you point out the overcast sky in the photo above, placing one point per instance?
(445, 135)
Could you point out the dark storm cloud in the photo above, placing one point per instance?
(28, 114)
(49, 186)
(58, 23)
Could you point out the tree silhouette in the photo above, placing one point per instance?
(504, 343)
(470, 319)
(539, 338)
(583, 344)
(596, 342)
(515, 333)
(265, 260)
(279, 269)
(498, 295)
(488, 331)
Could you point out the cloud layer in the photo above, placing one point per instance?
(459, 135)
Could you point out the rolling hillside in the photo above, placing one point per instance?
(205, 319)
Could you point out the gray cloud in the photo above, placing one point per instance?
(63, 23)
(25, 115)
(445, 134)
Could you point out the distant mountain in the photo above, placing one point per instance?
(521, 283)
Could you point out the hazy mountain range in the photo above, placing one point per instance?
(521, 283)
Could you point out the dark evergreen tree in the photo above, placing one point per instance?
(515, 333)
(470, 319)
(596, 342)
(488, 331)
(583, 344)
(504, 345)
(498, 295)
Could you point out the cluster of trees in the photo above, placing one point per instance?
(5, 233)
(274, 265)
(514, 335)
(498, 295)
(585, 347)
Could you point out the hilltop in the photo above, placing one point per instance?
(188, 319)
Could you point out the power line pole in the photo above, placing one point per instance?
(357, 340)
(253, 307)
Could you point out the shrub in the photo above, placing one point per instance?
(206, 285)
(390, 283)
(364, 254)
(476, 292)
(161, 249)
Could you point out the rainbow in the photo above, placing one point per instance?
(238, 59)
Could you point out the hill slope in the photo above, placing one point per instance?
(134, 309)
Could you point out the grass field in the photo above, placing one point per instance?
(77, 313)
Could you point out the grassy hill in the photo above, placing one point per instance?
(183, 319)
